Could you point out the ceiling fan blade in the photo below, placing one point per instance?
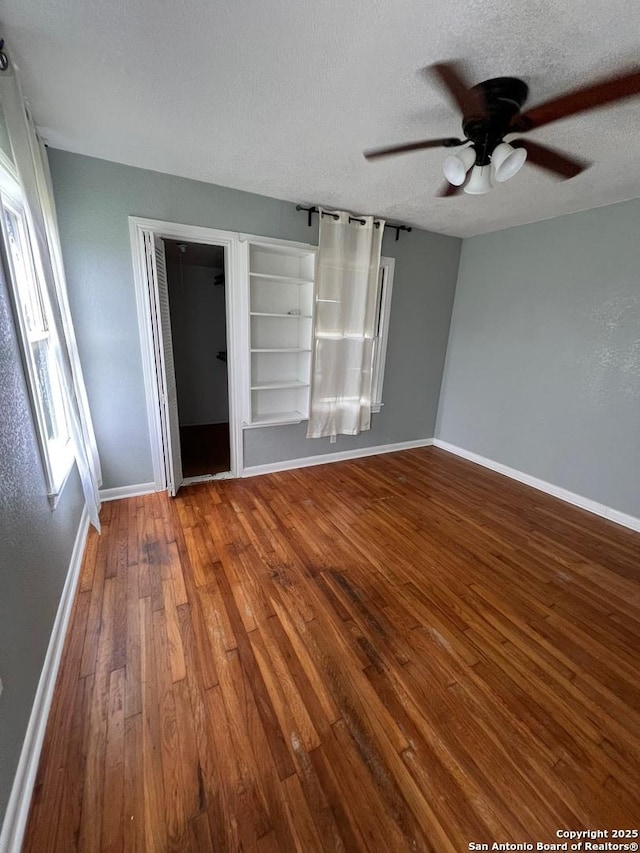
(453, 80)
(550, 159)
(447, 190)
(598, 94)
(446, 142)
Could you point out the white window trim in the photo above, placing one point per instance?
(387, 270)
(57, 457)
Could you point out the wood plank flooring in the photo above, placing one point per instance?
(406, 652)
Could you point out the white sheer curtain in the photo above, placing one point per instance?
(346, 292)
(31, 162)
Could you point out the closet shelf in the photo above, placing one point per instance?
(287, 279)
(271, 314)
(268, 386)
(278, 418)
(279, 349)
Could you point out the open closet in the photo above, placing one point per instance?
(197, 310)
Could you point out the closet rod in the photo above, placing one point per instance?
(311, 210)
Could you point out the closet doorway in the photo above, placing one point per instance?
(188, 298)
(197, 307)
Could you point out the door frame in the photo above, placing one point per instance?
(148, 326)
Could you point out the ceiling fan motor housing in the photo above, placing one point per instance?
(502, 98)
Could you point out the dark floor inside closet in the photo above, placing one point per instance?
(205, 449)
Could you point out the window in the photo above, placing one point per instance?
(32, 312)
(385, 287)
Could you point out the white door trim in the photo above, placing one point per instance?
(229, 240)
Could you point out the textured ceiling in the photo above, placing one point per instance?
(280, 97)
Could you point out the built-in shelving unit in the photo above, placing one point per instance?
(280, 332)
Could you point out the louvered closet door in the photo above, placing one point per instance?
(157, 266)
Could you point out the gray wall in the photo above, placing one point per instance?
(543, 364)
(35, 548)
(198, 330)
(94, 199)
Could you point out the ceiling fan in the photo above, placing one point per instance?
(491, 111)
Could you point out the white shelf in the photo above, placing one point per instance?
(277, 418)
(285, 278)
(270, 386)
(280, 349)
(280, 280)
(291, 316)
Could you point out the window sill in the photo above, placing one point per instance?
(55, 495)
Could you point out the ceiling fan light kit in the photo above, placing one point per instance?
(507, 161)
(491, 111)
(480, 181)
(456, 166)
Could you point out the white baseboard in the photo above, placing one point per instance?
(557, 491)
(340, 456)
(128, 491)
(272, 467)
(15, 819)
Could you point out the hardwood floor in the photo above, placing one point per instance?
(406, 652)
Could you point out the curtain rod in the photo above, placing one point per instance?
(311, 210)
